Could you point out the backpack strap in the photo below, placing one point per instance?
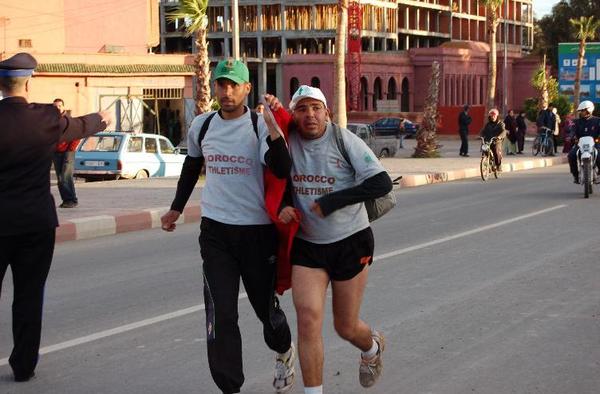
(204, 128)
(339, 141)
(254, 117)
(206, 123)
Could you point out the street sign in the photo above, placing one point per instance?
(568, 54)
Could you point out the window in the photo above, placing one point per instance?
(166, 147)
(134, 144)
(101, 144)
(150, 145)
(294, 85)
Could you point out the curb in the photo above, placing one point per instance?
(98, 226)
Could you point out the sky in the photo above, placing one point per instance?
(543, 7)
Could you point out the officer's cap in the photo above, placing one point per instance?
(20, 65)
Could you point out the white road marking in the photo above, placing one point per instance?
(120, 329)
(465, 233)
(197, 308)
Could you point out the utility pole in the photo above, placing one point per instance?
(236, 30)
(504, 78)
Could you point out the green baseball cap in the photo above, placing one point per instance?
(232, 69)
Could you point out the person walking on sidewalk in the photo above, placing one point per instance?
(511, 132)
(334, 243)
(464, 120)
(494, 128)
(521, 132)
(28, 135)
(64, 164)
(237, 238)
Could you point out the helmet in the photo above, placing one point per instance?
(587, 105)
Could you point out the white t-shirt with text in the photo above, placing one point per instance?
(234, 189)
(319, 168)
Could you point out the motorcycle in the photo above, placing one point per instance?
(586, 160)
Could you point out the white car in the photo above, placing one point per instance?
(115, 155)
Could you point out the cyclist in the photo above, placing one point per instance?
(586, 125)
(494, 128)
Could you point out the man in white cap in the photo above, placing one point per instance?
(28, 134)
(335, 243)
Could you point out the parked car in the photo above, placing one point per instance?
(381, 146)
(394, 127)
(114, 155)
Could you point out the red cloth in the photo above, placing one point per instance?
(67, 146)
(274, 191)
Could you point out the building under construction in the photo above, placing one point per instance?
(391, 45)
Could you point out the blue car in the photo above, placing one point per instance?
(115, 155)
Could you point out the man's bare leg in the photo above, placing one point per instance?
(309, 287)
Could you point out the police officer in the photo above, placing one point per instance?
(586, 125)
(28, 135)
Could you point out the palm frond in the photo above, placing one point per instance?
(194, 14)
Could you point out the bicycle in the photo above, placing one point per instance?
(488, 162)
(544, 143)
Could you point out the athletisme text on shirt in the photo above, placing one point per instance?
(212, 166)
(313, 191)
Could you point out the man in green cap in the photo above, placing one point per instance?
(237, 238)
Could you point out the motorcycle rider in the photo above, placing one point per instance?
(586, 125)
(494, 128)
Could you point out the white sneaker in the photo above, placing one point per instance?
(370, 370)
(284, 370)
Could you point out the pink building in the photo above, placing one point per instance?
(97, 55)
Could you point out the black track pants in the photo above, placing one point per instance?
(229, 253)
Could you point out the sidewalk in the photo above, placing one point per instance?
(112, 207)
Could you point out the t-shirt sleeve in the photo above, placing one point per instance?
(363, 159)
(194, 149)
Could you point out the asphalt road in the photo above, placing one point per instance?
(479, 288)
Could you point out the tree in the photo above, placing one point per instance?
(196, 20)
(586, 28)
(339, 83)
(427, 145)
(552, 29)
(492, 21)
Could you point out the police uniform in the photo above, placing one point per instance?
(583, 127)
(28, 136)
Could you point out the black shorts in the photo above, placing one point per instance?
(342, 260)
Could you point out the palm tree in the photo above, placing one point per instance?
(586, 28)
(196, 20)
(427, 145)
(492, 7)
(339, 88)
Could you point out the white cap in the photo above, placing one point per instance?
(306, 91)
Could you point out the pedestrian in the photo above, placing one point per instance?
(237, 238)
(260, 108)
(556, 130)
(64, 165)
(521, 132)
(28, 137)
(511, 136)
(464, 120)
(494, 128)
(545, 121)
(334, 243)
